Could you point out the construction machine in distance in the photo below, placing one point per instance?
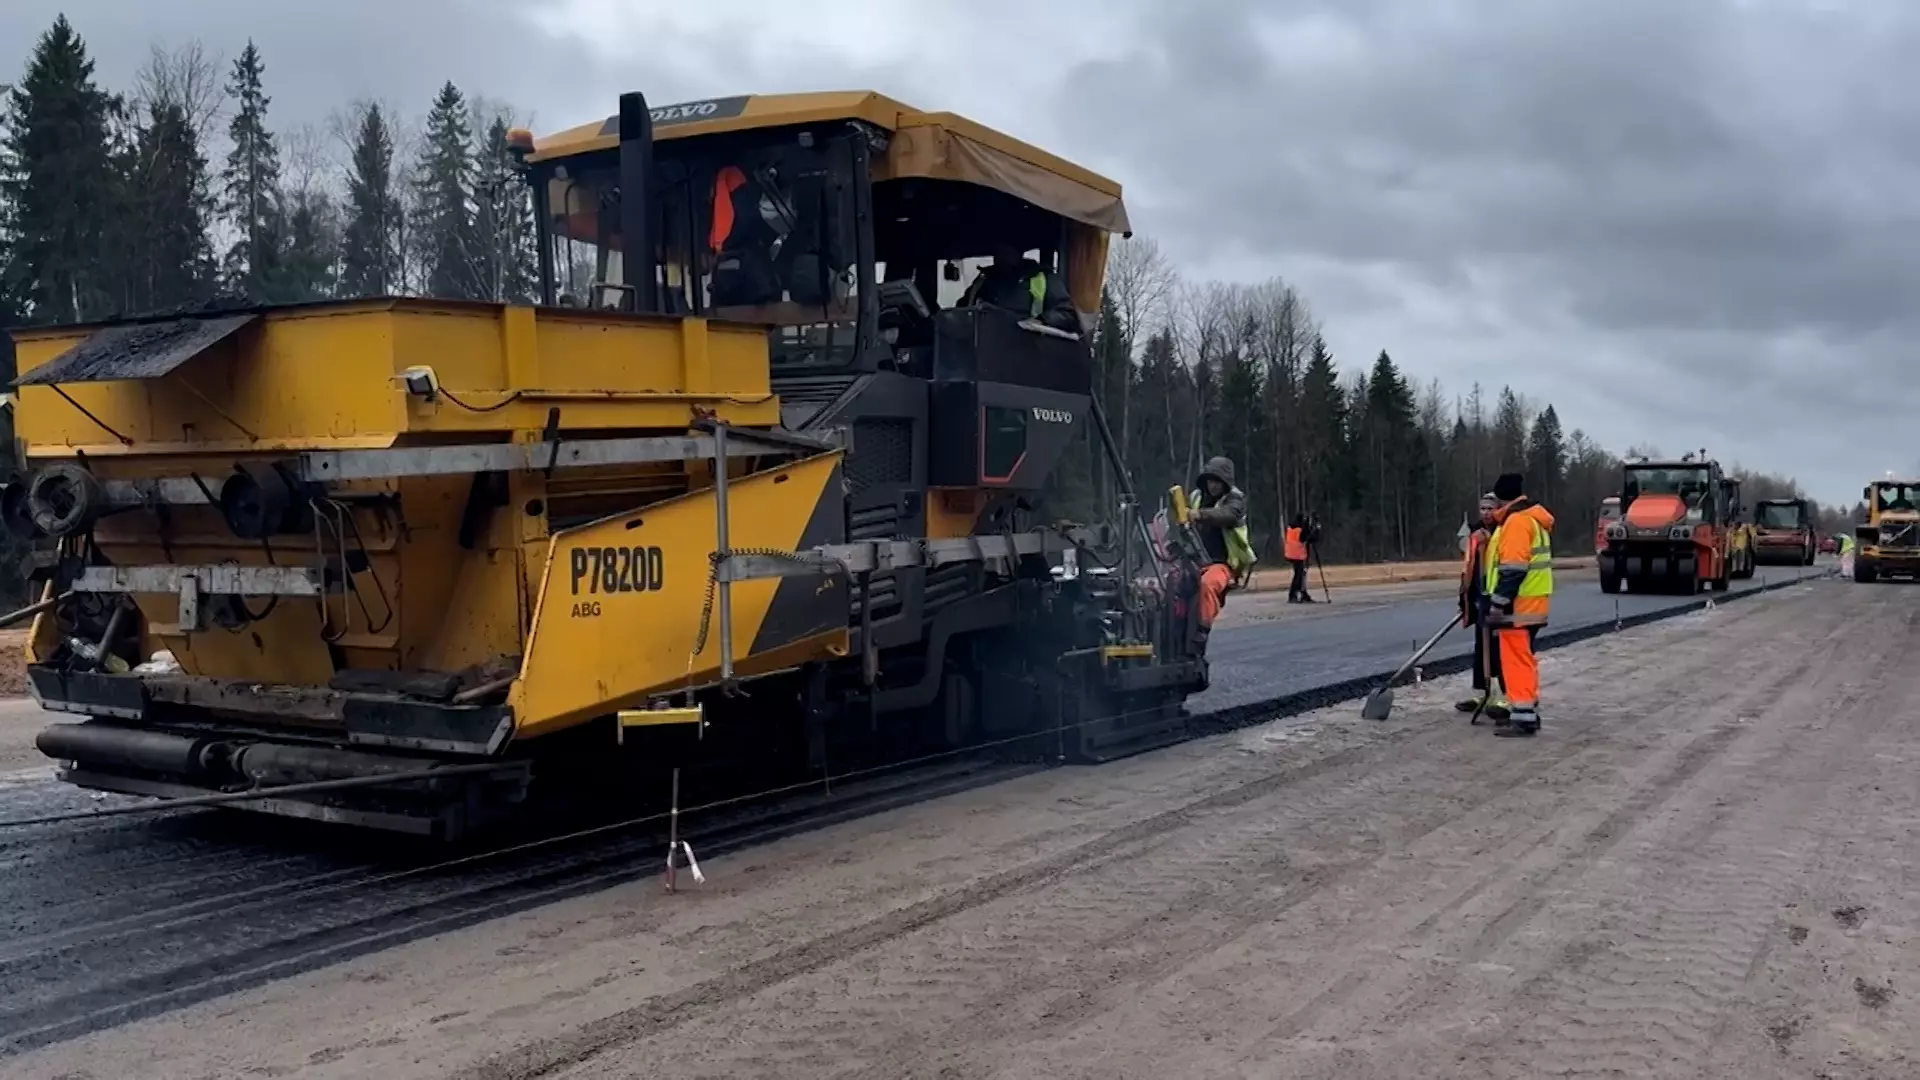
(1783, 533)
(1609, 513)
(1679, 529)
(1888, 541)
(739, 494)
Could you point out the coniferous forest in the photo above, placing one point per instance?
(178, 189)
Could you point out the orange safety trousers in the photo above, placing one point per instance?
(1519, 668)
(1214, 581)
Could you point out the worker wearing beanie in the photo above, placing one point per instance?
(1519, 592)
(1473, 590)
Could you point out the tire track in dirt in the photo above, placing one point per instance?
(975, 967)
(1127, 844)
(1644, 993)
(1693, 759)
(1134, 919)
(1384, 910)
(660, 1014)
(1468, 994)
(1346, 936)
(1800, 1013)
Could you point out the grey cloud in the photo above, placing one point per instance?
(1720, 191)
(1680, 222)
(320, 56)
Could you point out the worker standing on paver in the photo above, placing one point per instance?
(1473, 589)
(1219, 517)
(1519, 587)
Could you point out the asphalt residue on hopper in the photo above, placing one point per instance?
(136, 351)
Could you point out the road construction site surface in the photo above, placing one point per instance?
(1266, 648)
(1701, 867)
(108, 922)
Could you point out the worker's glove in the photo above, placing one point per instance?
(1500, 604)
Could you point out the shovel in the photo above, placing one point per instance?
(1380, 703)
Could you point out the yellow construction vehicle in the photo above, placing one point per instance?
(741, 489)
(1889, 540)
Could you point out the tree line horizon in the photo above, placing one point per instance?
(111, 204)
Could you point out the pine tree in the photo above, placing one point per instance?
(1546, 457)
(443, 185)
(371, 260)
(57, 184)
(1389, 454)
(1509, 433)
(1323, 430)
(168, 205)
(1238, 427)
(252, 185)
(309, 262)
(503, 222)
(1157, 438)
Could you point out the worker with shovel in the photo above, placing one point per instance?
(1486, 662)
(1519, 592)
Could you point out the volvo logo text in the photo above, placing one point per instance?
(696, 110)
(1052, 416)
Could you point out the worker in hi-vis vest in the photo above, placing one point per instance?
(1519, 592)
(1219, 519)
(1020, 285)
(1298, 548)
(1473, 590)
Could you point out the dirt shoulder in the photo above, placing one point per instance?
(13, 663)
(1702, 867)
(20, 721)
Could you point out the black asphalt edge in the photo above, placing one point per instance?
(1233, 717)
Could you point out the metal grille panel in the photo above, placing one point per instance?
(882, 453)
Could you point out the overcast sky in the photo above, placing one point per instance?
(1681, 222)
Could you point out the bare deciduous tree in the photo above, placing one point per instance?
(187, 76)
(1203, 328)
(1141, 281)
(308, 162)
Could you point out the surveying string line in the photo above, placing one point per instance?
(785, 789)
(225, 798)
(543, 842)
(1224, 719)
(1220, 720)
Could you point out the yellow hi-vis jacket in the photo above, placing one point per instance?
(1520, 566)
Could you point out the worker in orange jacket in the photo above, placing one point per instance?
(1486, 658)
(1519, 594)
(1299, 534)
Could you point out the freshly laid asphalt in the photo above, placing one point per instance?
(1261, 661)
(104, 922)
